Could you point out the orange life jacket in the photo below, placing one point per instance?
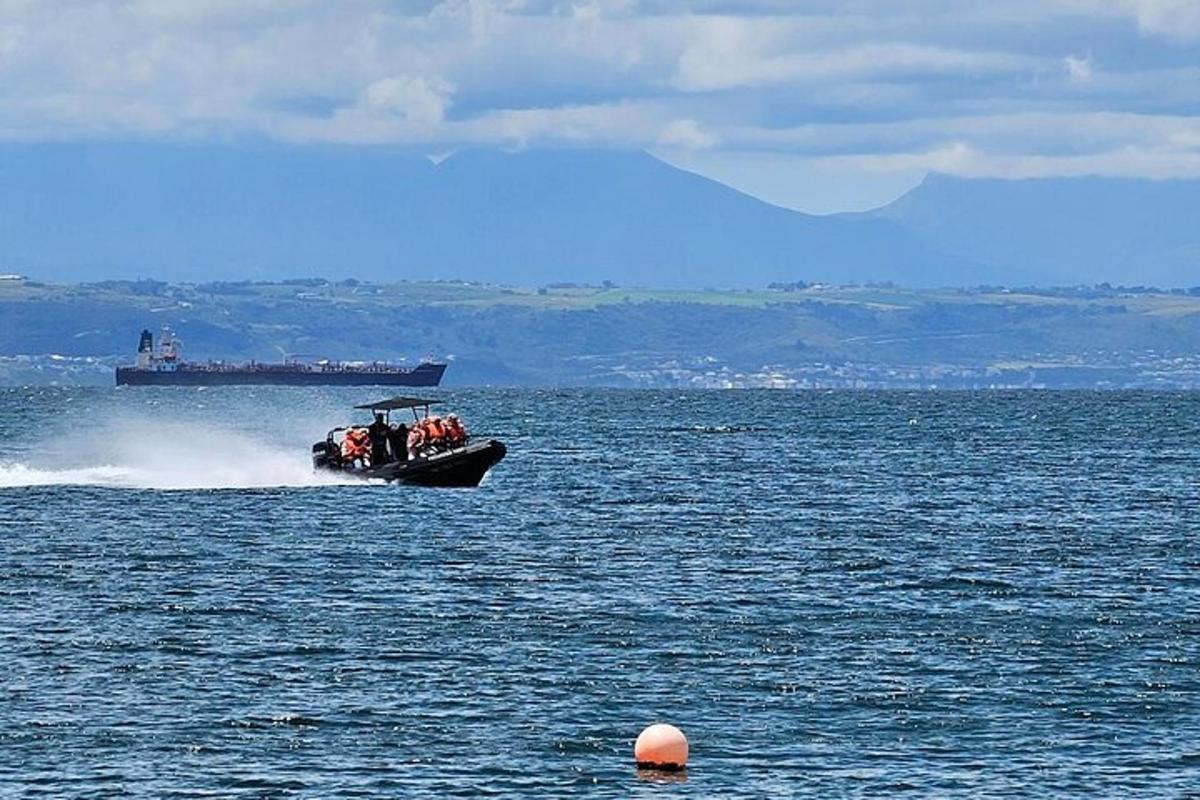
(355, 443)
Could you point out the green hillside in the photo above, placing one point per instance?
(574, 335)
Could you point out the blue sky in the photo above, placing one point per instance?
(820, 106)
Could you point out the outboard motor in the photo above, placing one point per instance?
(321, 456)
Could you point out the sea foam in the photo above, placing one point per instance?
(168, 456)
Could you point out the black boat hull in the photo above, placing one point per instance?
(461, 467)
(421, 375)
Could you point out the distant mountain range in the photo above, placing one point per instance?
(1059, 231)
(90, 211)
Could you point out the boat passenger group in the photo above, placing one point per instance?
(380, 443)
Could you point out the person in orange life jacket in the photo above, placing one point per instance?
(436, 432)
(426, 426)
(455, 432)
(356, 447)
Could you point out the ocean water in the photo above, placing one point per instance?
(832, 594)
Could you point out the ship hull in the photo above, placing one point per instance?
(422, 375)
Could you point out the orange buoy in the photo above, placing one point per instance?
(661, 746)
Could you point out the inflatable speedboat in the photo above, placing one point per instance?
(429, 451)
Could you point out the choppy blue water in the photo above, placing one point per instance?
(832, 594)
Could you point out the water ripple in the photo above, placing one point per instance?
(834, 594)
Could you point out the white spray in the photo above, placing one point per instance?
(166, 455)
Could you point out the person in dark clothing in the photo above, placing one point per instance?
(397, 437)
(378, 431)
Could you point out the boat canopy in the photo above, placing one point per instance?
(393, 403)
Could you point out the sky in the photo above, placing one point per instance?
(820, 106)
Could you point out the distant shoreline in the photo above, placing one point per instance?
(794, 336)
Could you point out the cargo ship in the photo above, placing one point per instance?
(164, 366)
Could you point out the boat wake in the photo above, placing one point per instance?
(177, 457)
(14, 475)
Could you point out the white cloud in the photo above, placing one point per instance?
(686, 133)
(734, 56)
(399, 109)
(417, 100)
(1078, 69)
(1173, 19)
(916, 82)
(630, 124)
